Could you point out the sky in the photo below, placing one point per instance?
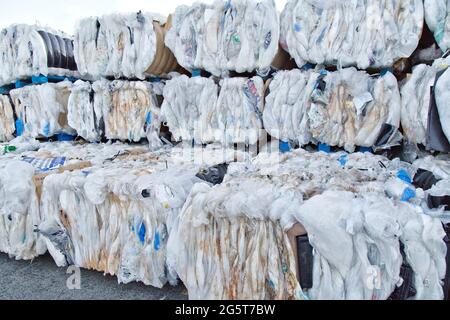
(63, 14)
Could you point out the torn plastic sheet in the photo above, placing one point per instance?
(197, 109)
(346, 108)
(365, 224)
(42, 109)
(28, 50)
(7, 125)
(231, 35)
(122, 45)
(351, 33)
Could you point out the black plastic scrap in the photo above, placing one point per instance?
(214, 175)
(406, 290)
(435, 202)
(425, 179)
(305, 262)
(436, 139)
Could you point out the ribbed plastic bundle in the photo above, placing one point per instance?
(30, 50)
(346, 108)
(7, 126)
(122, 45)
(42, 109)
(366, 34)
(235, 35)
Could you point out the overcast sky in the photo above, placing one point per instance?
(63, 14)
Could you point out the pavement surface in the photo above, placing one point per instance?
(41, 279)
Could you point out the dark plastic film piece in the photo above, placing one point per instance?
(305, 262)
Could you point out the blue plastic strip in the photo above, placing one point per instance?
(39, 79)
(19, 127)
(196, 73)
(20, 84)
(142, 232)
(365, 150)
(65, 137)
(324, 148)
(403, 175)
(157, 242)
(285, 147)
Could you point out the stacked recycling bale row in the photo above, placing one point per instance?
(144, 216)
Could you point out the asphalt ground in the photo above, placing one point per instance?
(41, 279)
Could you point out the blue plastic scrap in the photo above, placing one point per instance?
(157, 242)
(343, 160)
(285, 147)
(408, 194)
(19, 127)
(142, 232)
(324, 148)
(403, 175)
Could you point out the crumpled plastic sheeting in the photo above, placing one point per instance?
(116, 45)
(351, 33)
(346, 108)
(437, 17)
(235, 35)
(341, 199)
(188, 108)
(7, 126)
(81, 114)
(19, 203)
(416, 95)
(42, 109)
(442, 98)
(23, 53)
(128, 109)
(128, 208)
(198, 109)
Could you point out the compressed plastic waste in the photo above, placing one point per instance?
(231, 35)
(7, 126)
(20, 187)
(437, 17)
(358, 33)
(196, 109)
(346, 108)
(128, 208)
(30, 50)
(118, 110)
(123, 45)
(416, 99)
(42, 109)
(354, 227)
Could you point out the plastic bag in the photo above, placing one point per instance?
(7, 125)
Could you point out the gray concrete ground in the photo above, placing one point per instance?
(42, 279)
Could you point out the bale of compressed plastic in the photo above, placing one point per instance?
(345, 108)
(197, 109)
(437, 17)
(237, 35)
(22, 175)
(42, 109)
(372, 34)
(354, 210)
(7, 126)
(30, 50)
(128, 109)
(123, 45)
